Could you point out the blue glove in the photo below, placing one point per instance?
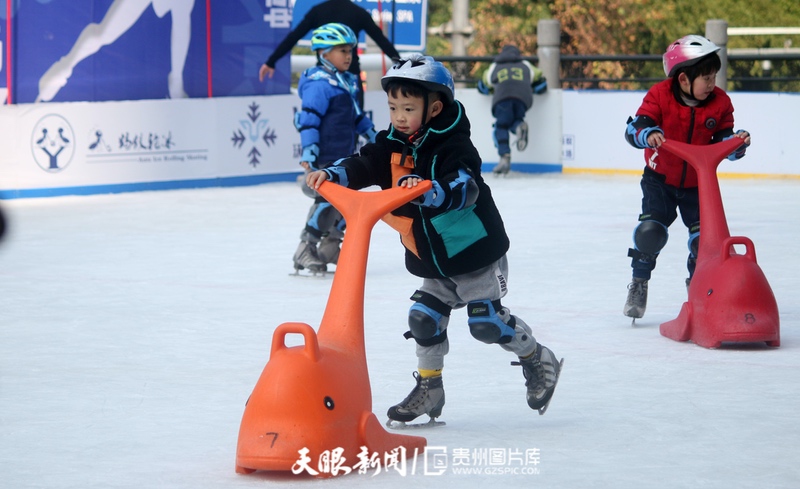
(482, 88)
(540, 86)
(432, 198)
(740, 151)
(337, 174)
(310, 154)
(641, 138)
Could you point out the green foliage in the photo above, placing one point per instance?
(623, 27)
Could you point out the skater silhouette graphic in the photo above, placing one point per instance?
(121, 16)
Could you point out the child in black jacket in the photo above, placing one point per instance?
(454, 235)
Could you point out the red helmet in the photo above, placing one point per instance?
(687, 51)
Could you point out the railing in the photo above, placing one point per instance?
(738, 77)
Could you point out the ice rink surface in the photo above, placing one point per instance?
(133, 327)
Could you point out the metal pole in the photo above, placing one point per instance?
(549, 50)
(717, 32)
(459, 39)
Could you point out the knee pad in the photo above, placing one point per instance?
(322, 217)
(486, 324)
(427, 319)
(650, 237)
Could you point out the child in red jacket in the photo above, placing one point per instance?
(685, 107)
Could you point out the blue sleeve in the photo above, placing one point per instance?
(315, 103)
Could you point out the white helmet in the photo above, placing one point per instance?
(687, 51)
(425, 71)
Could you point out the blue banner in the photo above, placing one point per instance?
(99, 50)
(404, 21)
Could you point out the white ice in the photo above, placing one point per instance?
(133, 328)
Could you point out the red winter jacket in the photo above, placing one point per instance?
(693, 125)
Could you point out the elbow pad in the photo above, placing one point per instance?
(463, 191)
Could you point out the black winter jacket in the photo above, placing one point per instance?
(448, 240)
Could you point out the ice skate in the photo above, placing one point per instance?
(426, 398)
(306, 258)
(637, 299)
(541, 371)
(329, 249)
(503, 166)
(522, 132)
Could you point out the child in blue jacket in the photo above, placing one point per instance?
(329, 122)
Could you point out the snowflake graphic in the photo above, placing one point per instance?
(252, 129)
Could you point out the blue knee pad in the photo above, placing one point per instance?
(427, 319)
(485, 323)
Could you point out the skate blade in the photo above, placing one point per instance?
(543, 409)
(402, 425)
(311, 274)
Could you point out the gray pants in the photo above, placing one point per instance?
(488, 283)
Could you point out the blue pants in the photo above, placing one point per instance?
(508, 115)
(661, 202)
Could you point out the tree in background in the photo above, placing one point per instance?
(620, 27)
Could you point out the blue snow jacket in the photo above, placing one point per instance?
(329, 120)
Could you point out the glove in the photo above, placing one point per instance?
(310, 154)
(432, 198)
(482, 88)
(337, 174)
(740, 151)
(641, 138)
(540, 86)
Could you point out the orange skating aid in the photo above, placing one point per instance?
(730, 300)
(311, 409)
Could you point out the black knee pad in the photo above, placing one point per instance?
(650, 237)
(427, 319)
(485, 323)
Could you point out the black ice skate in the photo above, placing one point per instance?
(637, 299)
(306, 258)
(541, 371)
(426, 398)
(329, 249)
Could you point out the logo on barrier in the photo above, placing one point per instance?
(252, 129)
(53, 143)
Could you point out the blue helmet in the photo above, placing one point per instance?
(425, 71)
(333, 34)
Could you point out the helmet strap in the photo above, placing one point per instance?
(424, 127)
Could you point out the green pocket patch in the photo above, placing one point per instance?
(459, 229)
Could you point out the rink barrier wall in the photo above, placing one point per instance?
(82, 148)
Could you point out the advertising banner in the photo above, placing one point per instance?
(404, 21)
(102, 50)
